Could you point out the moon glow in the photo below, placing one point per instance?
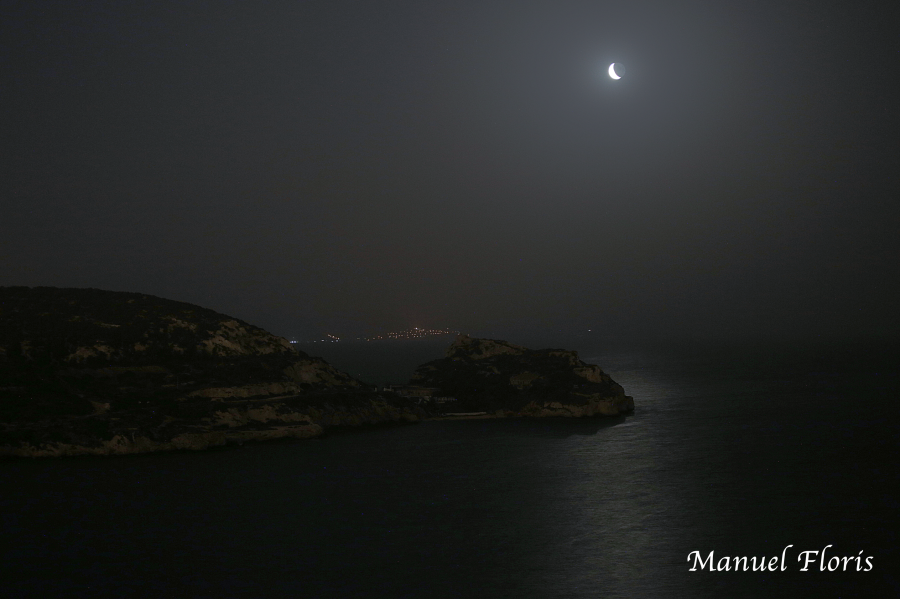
(612, 71)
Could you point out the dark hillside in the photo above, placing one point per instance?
(82, 367)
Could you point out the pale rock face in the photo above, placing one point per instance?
(85, 353)
(232, 339)
(219, 346)
(317, 372)
(175, 323)
(100, 407)
(478, 349)
(592, 373)
(523, 380)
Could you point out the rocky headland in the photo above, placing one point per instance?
(92, 372)
(503, 379)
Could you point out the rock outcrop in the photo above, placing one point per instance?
(487, 375)
(85, 371)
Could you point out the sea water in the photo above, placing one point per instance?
(744, 450)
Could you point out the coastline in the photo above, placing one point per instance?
(200, 440)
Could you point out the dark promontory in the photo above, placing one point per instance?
(505, 379)
(85, 371)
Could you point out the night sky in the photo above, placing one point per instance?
(352, 167)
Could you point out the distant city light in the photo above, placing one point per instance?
(413, 333)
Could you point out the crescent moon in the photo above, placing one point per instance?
(612, 71)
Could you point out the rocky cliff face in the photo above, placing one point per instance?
(496, 376)
(85, 371)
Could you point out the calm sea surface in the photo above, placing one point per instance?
(741, 450)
